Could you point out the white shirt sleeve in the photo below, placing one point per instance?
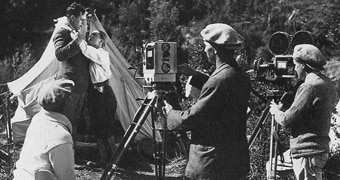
(100, 65)
(62, 160)
(94, 54)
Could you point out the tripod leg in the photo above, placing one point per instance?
(259, 125)
(183, 143)
(271, 174)
(160, 143)
(140, 117)
(275, 149)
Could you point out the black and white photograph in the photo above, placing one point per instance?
(170, 90)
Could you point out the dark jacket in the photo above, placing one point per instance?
(217, 121)
(309, 117)
(72, 63)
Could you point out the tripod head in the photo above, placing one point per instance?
(285, 98)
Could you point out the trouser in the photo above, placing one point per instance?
(102, 111)
(102, 107)
(74, 110)
(309, 168)
(106, 148)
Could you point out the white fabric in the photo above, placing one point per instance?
(126, 88)
(27, 107)
(284, 169)
(191, 90)
(48, 146)
(100, 62)
(337, 107)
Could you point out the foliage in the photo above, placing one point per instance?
(164, 20)
(26, 27)
(131, 28)
(18, 64)
(322, 19)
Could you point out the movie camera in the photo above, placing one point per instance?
(281, 67)
(160, 62)
(159, 72)
(279, 71)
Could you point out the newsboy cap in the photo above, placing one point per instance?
(54, 93)
(223, 34)
(309, 55)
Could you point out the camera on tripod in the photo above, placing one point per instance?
(160, 62)
(281, 67)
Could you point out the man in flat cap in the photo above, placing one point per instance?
(218, 147)
(310, 114)
(47, 152)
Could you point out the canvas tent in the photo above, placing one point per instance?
(126, 88)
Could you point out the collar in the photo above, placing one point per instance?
(64, 24)
(312, 76)
(58, 118)
(220, 67)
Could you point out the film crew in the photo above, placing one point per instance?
(73, 64)
(102, 102)
(47, 152)
(309, 115)
(218, 146)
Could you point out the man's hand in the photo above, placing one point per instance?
(275, 110)
(76, 36)
(186, 70)
(274, 107)
(167, 107)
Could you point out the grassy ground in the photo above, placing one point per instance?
(132, 166)
(135, 167)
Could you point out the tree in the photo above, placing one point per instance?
(131, 29)
(164, 20)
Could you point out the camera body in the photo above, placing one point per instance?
(160, 61)
(281, 66)
(284, 66)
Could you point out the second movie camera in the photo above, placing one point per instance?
(281, 67)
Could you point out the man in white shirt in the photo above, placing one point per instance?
(100, 59)
(102, 103)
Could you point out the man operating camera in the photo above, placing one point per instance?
(310, 114)
(218, 147)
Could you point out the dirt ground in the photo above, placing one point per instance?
(132, 166)
(134, 163)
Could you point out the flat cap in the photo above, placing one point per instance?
(310, 55)
(54, 93)
(223, 34)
